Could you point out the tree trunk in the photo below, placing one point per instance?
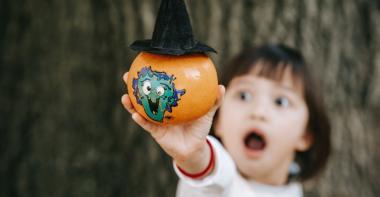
(65, 133)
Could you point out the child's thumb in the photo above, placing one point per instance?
(218, 102)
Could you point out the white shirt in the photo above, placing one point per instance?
(225, 181)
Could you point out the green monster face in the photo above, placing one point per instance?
(156, 92)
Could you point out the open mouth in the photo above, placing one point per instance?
(153, 106)
(254, 141)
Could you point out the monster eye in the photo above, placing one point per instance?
(160, 91)
(146, 87)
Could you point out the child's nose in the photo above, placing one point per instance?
(259, 111)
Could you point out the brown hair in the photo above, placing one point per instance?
(276, 59)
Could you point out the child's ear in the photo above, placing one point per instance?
(305, 142)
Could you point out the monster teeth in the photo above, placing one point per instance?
(154, 106)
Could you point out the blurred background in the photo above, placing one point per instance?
(63, 131)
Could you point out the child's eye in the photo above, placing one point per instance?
(245, 96)
(282, 102)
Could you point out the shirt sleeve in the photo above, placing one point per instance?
(217, 183)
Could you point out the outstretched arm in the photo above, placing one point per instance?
(185, 143)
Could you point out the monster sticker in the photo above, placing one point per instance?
(156, 92)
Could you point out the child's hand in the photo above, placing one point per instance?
(185, 143)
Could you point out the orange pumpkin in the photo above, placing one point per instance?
(169, 89)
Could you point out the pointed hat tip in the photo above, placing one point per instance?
(172, 32)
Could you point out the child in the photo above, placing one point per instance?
(272, 125)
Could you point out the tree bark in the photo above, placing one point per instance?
(65, 133)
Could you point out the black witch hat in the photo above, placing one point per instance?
(172, 33)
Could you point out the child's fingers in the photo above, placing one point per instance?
(222, 91)
(145, 124)
(218, 101)
(127, 104)
(125, 78)
(220, 97)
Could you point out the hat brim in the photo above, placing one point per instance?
(146, 45)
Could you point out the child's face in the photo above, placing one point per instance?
(262, 123)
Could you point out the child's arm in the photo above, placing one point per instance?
(185, 143)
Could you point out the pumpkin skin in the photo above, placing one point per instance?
(167, 89)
